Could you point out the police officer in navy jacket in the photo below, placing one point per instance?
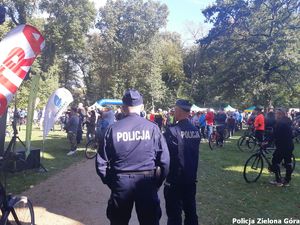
(183, 140)
(133, 150)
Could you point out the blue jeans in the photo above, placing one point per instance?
(209, 130)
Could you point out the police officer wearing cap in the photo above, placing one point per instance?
(183, 140)
(133, 148)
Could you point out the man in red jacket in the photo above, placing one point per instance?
(259, 124)
(209, 122)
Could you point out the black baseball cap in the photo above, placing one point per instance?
(259, 108)
(132, 97)
(184, 105)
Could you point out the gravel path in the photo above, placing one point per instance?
(75, 196)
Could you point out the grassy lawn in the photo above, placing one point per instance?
(54, 159)
(223, 194)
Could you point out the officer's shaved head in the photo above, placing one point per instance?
(132, 109)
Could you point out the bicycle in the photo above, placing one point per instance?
(255, 164)
(226, 134)
(246, 143)
(91, 149)
(296, 134)
(15, 210)
(215, 139)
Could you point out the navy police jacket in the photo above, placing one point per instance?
(183, 140)
(132, 144)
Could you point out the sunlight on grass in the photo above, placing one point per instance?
(241, 169)
(234, 137)
(235, 168)
(46, 155)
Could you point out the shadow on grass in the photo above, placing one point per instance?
(53, 157)
(223, 193)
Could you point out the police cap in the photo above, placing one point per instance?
(132, 97)
(184, 105)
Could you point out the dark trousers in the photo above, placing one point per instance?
(79, 136)
(278, 156)
(259, 135)
(130, 189)
(220, 130)
(202, 129)
(231, 129)
(181, 198)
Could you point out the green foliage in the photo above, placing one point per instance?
(127, 29)
(20, 11)
(250, 56)
(65, 30)
(252, 50)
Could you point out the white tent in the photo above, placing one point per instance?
(229, 109)
(198, 109)
(195, 108)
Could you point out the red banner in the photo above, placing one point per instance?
(18, 51)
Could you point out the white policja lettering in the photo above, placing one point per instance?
(133, 135)
(190, 134)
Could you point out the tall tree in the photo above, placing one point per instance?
(253, 46)
(67, 25)
(126, 27)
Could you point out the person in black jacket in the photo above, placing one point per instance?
(284, 148)
(183, 140)
(133, 148)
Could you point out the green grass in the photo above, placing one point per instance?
(54, 159)
(223, 193)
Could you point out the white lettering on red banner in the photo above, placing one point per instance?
(18, 51)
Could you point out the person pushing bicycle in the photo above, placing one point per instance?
(284, 148)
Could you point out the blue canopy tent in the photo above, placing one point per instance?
(106, 101)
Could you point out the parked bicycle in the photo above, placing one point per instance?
(15, 210)
(91, 149)
(248, 142)
(255, 164)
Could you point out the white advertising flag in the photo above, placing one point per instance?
(57, 104)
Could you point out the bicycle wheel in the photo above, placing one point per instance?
(212, 141)
(21, 212)
(246, 143)
(226, 134)
(91, 149)
(253, 168)
(297, 139)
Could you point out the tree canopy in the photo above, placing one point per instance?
(250, 56)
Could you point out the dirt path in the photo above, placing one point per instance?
(75, 196)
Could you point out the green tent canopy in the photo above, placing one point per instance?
(250, 109)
